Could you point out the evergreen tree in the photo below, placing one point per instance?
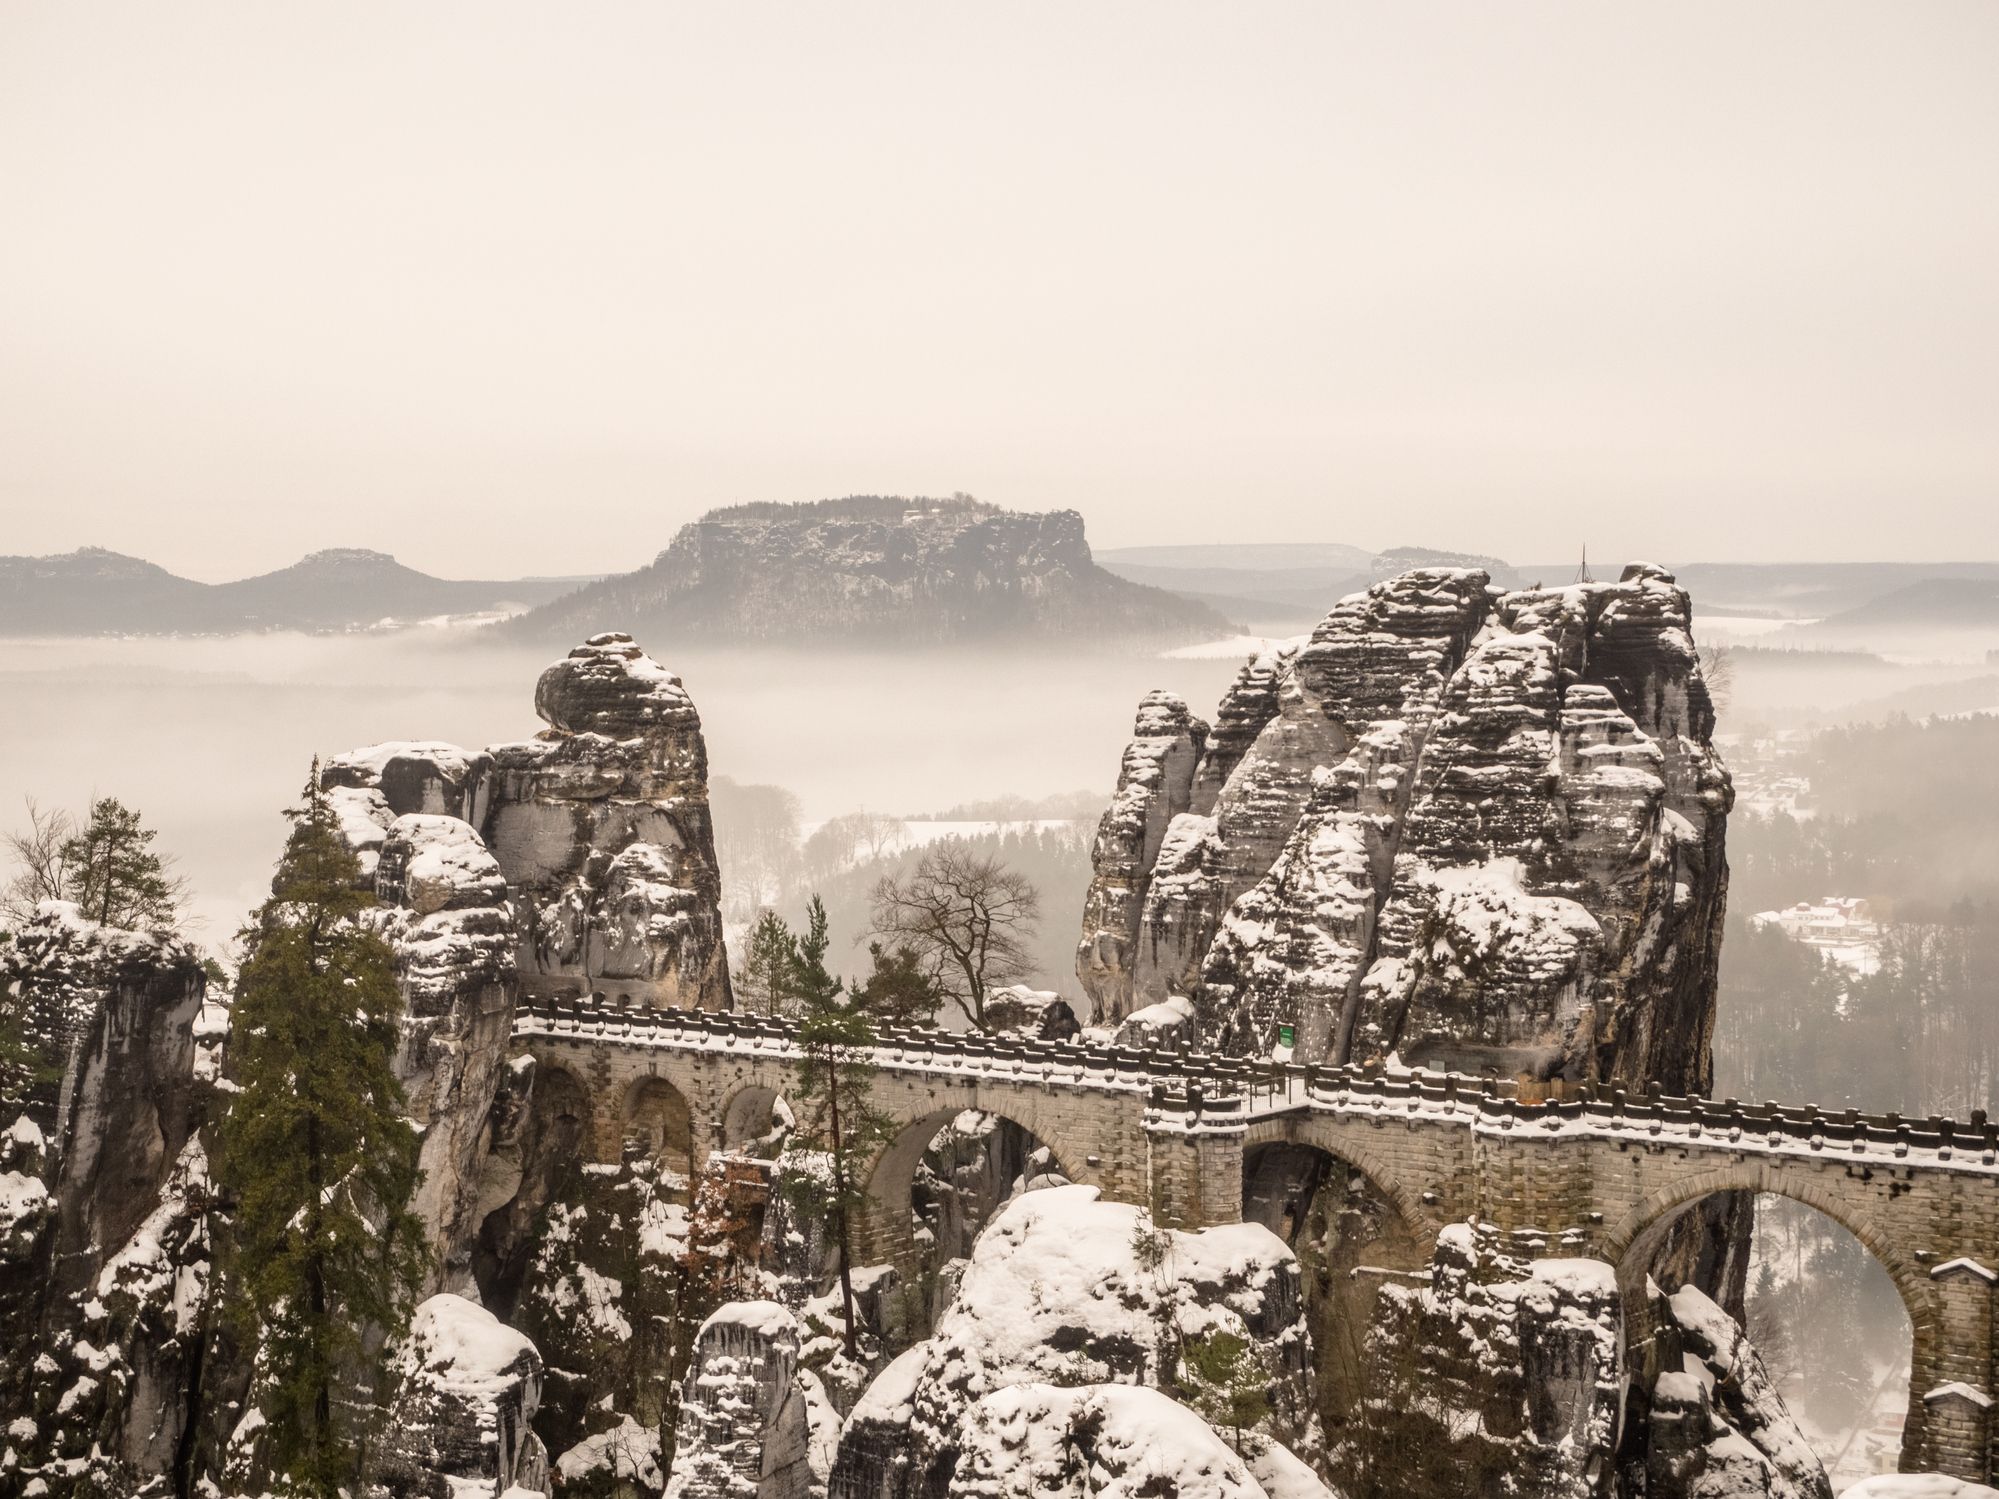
(839, 1128)
(110, 870)
(318, 1156)
(24, 1066)
(900, 990)
(1231, 1379)
(765, 981)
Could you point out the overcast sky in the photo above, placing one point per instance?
(509, 288)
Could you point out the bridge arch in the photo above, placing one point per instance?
(1642, 1230)
(564, 1113)
(1356, 1227)
(1352, 1146)
(748, 1116)
(656, 1119)
(887, 1233)
(1635, 1242)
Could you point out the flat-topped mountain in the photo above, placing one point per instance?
(97, 592)
(875, 570)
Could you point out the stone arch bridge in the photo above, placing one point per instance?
(1596, 1175)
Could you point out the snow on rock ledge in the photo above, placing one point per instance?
(607, 685)
(1037, 1441)
(1066, 1290)
(467, 1389)
(753, 1425)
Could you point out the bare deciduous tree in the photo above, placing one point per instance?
(40, 854)
(844, 841)
(1717, 664)
(967, 916)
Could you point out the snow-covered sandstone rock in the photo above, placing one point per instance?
(1505, 1375)
(1469, 827)
(599, 826)
(753, 1425)
(1066, 1290)
(104, 1241)
(466, 1390)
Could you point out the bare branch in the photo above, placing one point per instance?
(40, 860)
(968, 917)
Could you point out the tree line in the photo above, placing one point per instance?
(314, 1164)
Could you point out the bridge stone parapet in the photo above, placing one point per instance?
(1604, 1174)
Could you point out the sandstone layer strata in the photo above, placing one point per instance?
(1470, 828)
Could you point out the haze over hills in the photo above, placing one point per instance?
(896, 571)
(93, 591)
(875, 570)
(1275, 584)
(1934, 605)
(1813, 590)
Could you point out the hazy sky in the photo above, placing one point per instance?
(511, 288)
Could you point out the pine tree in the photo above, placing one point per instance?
(111, 872)
(1231, 1382)
(900, 990)
(318, 1156)
(839, 1128)
(765, 982)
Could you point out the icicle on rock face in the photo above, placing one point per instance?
(1472, 828)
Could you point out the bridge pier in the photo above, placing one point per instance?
(1951, 1375)
(1195, 1176)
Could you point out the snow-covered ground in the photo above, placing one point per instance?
(1836, 926)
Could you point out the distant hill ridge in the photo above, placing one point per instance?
(94, 591)
(876, 570)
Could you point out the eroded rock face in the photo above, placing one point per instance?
(753, 1425)
(1505, 1375)
(1500, 1375)
(1066, 1290)
(599, 826)
(1154, 789)
(466, 1390)
(1470, 827)
(445, 912)
(104, 1202)
(1712, 1422)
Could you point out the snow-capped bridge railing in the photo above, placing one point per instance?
(1059, 1063)
(1495, 1104)
(1211, 1092)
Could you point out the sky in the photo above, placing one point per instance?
(513, 288)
